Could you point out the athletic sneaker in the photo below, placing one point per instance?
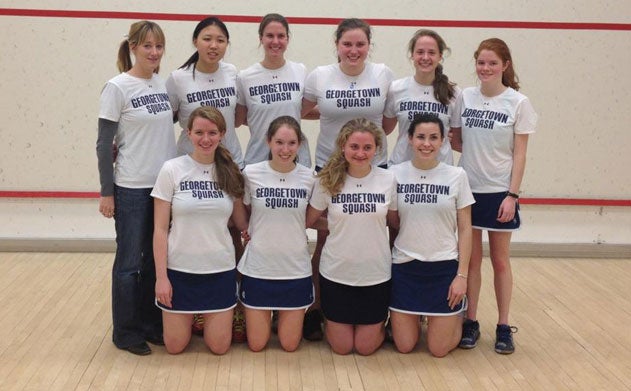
(504, 339)
(238, 326)
(470, 334)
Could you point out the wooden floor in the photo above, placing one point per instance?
(574, 319)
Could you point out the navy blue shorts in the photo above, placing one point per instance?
(421, 288)
(484, 212)
(202, 293)
(354, 304)
(266, 294)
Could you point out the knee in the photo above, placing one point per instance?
(174, 346)
(256, 346)
(341, 349)
(219, 348)
(439, 350)
(366, 347)
(289, 346)
(404, 347)
(366, 350)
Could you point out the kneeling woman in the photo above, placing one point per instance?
(195, 196)
(356, 262)
(432, 250)
(276, 274)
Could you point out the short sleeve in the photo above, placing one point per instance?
(111, 103)
(526, 118)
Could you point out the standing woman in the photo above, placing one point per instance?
(496, 122)
(205, 80)
(432, 250)
(351, 88)
(428, 91)
(356, 262)
(195, 196)
(135, 114)
(277, 277)
(270, 89)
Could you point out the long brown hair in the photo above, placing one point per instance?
(333, 174)
(229, 176)
(444, 90)
(138, 32)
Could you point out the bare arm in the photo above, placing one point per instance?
(313, 216)
(507, 209)
(393, 219)
(309, 110)
(455, 138)
(458, 287)
(240, 215)
(162, 216)
(240, 115)
(388, 124)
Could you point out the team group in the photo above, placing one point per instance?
(399, 238)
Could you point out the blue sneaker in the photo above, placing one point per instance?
(470, 334)
(504, 339)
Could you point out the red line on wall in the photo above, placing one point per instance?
(524, 201)
(316, 20)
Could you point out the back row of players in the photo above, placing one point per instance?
(356, 101)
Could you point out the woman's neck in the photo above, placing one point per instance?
(352, 70)
(358, 172)
(206, 68)
(203, 159)
(139, 72)
(426, 79)
(273, 63)
(424, 164)
(282, 167)
(492, 89)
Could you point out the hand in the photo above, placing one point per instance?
(245, 235)
(106, 206)
(164, 291)
(457, 291)
(506, 212)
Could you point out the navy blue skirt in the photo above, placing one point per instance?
(263, 294)
(202, 293)
(421, 288)
(484, 213)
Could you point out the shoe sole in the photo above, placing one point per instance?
(500, 351)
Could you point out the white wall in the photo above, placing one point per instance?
(53, 68)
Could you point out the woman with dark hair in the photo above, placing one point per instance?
(432, 249)
(277, 275)
(428, 91)
(206, 80)
(270, 89)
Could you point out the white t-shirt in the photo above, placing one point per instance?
(145, 136)
(427, 204)
(216, 89)
(341, 98)
(357, 251)
(406, 99)
(269, 94)
(199, 241)
(488, 129)
(278, 248)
